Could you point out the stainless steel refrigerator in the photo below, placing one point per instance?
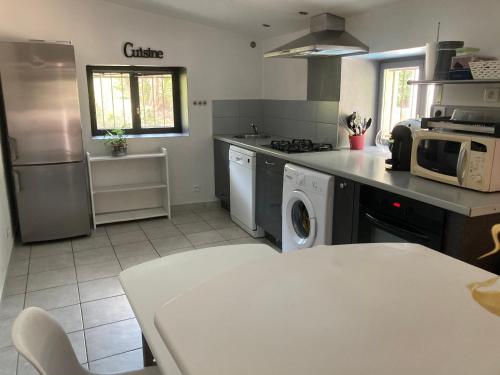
(43, 137)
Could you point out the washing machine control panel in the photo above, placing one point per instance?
(304, 182)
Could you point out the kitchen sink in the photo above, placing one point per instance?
(251, 136)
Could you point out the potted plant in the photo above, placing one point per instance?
(116, 138)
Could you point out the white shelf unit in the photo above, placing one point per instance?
(130, 187)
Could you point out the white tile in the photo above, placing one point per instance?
(184, 218)
(137, 259)
(88, 243)
(191, 228)
(50, 279)
(204, 246)
(232, 233)
(205, 238)
(244, 240)
(69, 317)
(53, 298)
(77, 340)
(162, 231)
(134, 249)
(128, 237)
(8, 361)
(129, 361)
(5, 332)
(25, 368)
(122, 228)
(93, 256)
(104, 311)
(50, 248)
(15, 285)
(217, 214)
(99, 231)
(111, 339)
(20, 252)
(11, 306)
(98, 271)
(157, 222)
(221, 223)
(18, 268)
(101, 288)
(165, 246)
(51, 262)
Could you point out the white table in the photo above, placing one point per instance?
(378, 309)
(149, 285)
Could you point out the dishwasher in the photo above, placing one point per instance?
(242, 171)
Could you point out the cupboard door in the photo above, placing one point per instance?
(221, 170)
(269, 194)
(344, 210)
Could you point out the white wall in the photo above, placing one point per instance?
(5, 228)
(220, 65)
(359, 92)
(407, 24)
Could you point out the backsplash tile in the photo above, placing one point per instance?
(225, 125)
(279, 118)
(326, 133)
(327, 112)
(225, 108)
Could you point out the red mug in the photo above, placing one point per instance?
(357, 142)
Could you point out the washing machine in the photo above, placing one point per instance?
(307, 211)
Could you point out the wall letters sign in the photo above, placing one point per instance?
(145, 53)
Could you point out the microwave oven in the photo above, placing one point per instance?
(466, 160)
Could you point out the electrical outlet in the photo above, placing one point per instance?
(196, 188)
(491, 95)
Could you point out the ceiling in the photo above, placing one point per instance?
(247, 16)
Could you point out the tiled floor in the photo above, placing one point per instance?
(76, 281)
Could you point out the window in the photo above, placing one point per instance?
(139, 100)
(398, 100)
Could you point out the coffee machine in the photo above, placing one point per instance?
(400, 145)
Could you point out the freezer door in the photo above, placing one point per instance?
(41, 103)
(52, 201)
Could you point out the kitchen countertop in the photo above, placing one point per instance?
(368, 167)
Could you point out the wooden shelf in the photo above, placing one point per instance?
(129, 187)
(116, 217)
(126, 157)
(456, 82)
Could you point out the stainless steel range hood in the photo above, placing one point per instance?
(327, 38)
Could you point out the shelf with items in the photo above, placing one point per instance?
(456, 82)
(131, 187)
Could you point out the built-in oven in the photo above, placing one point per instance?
(389, 217)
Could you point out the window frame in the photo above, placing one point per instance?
(396, 64)
(134, 96)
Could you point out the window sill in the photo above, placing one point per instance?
(145, 136)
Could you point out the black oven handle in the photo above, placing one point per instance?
(395, 229)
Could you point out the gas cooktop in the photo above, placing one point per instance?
(299, 146)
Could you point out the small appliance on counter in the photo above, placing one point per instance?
(463, 150)
(400, 145)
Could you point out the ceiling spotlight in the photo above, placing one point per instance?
(303, 13)
(266, 25)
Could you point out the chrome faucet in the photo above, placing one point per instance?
(254, 128)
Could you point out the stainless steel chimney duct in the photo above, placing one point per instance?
(327, 38)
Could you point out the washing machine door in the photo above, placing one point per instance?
(300, 219)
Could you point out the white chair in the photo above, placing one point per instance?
(42, 341)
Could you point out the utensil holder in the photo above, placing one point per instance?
(357, 142)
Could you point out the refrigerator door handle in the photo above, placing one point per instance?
(17, 182)
(13, 148)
